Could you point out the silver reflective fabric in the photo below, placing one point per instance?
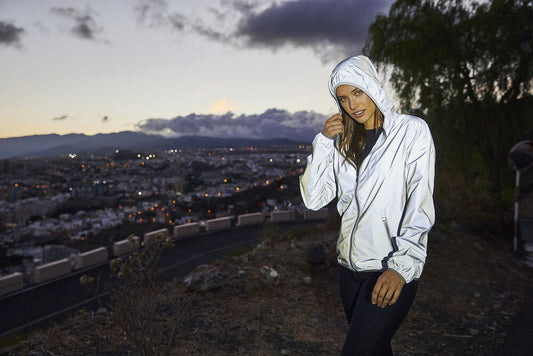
(386, 206)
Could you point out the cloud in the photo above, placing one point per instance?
(60, 118)
(273, 123)
(10, 35)
(84, 25)
(155, 13)
(337, 25)
(105, 119)
(324, 26)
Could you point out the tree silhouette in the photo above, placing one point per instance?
(466, 67)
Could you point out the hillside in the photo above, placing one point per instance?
(468, 298)
(107, 144)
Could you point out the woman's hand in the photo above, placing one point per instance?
(333, 126)
(387, 289)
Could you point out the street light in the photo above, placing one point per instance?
(520, 159)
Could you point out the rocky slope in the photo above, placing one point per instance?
(282, 299)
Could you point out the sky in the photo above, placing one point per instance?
(235, 68)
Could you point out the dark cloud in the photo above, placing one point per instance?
(10, 35)
(273, 123)
(325, 26)
(340, 24)
(60, 118)
(84, 23)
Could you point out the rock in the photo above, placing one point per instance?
(474, 332)
(285, 352)
(269, 275)
(307, 280)
(528, 247)
(203, 280)
(101, 311)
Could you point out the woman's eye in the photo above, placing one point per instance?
(358, 92)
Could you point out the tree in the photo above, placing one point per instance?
(467, 67)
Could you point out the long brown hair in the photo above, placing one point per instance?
(353, 141)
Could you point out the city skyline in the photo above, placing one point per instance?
(215, 68)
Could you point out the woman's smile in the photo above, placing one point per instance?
(358, 114)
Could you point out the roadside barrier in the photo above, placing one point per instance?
(11, 283)
(218, 224)
(51, 270)
(251, 219)
(186, 230)
(149, 236)
(90, 258)
(282, 216)
(125, 246)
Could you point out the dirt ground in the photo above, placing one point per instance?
(468, 303)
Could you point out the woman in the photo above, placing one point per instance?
(380, 166)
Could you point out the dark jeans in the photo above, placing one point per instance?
(371, 327)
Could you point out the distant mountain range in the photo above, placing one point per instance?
(106, 144)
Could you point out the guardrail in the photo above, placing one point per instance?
(13, 282)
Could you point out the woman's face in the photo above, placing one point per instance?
(357, 105)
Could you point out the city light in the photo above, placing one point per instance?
(134, 191)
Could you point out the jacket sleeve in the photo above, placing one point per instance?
(419, 214)
(317, 184)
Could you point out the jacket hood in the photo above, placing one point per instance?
(360, 72)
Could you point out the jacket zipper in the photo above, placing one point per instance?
(357, 220)
(358, 211)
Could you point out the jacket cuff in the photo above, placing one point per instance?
(324, 135)
(407, 272)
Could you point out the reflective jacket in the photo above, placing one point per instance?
(386, 206)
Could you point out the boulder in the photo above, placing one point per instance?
(269, 275)
(204, 279)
